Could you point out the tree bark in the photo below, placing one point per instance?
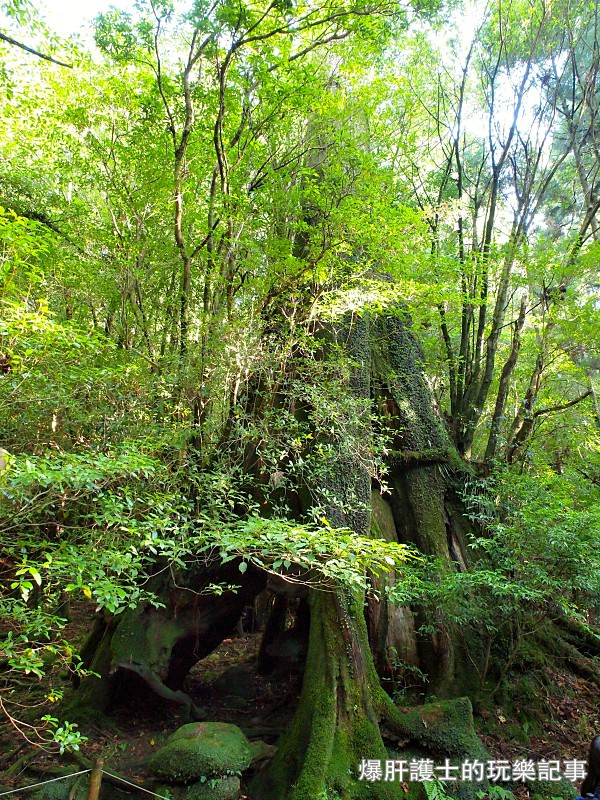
(156, 647)
(511, 362)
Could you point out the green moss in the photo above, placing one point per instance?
(440, 730)
(60, 790)
(397, 364)
(261, 751)
(530, 654)
(546, 790)
(93, 695)
(201, 749)
(444, 729)
(425, 494)
(145, 641)
(382, 519)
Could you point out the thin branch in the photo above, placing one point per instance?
(37, 53)
(562, 406)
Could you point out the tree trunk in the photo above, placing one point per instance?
(343, 710)
(150, 648)
(337, 721)
(344, 714)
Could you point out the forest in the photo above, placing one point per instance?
(300, 401)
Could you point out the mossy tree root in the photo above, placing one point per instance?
(579, 635)
(442, 729)
(336, 725)
(342, 713)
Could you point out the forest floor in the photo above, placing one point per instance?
(569, 724)
(227, 686)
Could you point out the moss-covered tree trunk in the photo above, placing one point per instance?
(423, 466)
(344, 714)
(153, 648)
(343, 710)
(337, 722)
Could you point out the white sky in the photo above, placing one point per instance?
(74, 16)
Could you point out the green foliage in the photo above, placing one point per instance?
(65, 734)
(435, 790)
(93, 520)
(405, 676)
(536, 553)
(495, 793)
(23, 246)
(544, 530)
(320, 556)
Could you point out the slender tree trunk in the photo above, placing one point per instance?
(511, 361)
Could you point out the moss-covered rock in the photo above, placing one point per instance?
(444, 728)
(227, 788)
(261, 751)
(61, 790)
(202, 749)
(238, 681)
